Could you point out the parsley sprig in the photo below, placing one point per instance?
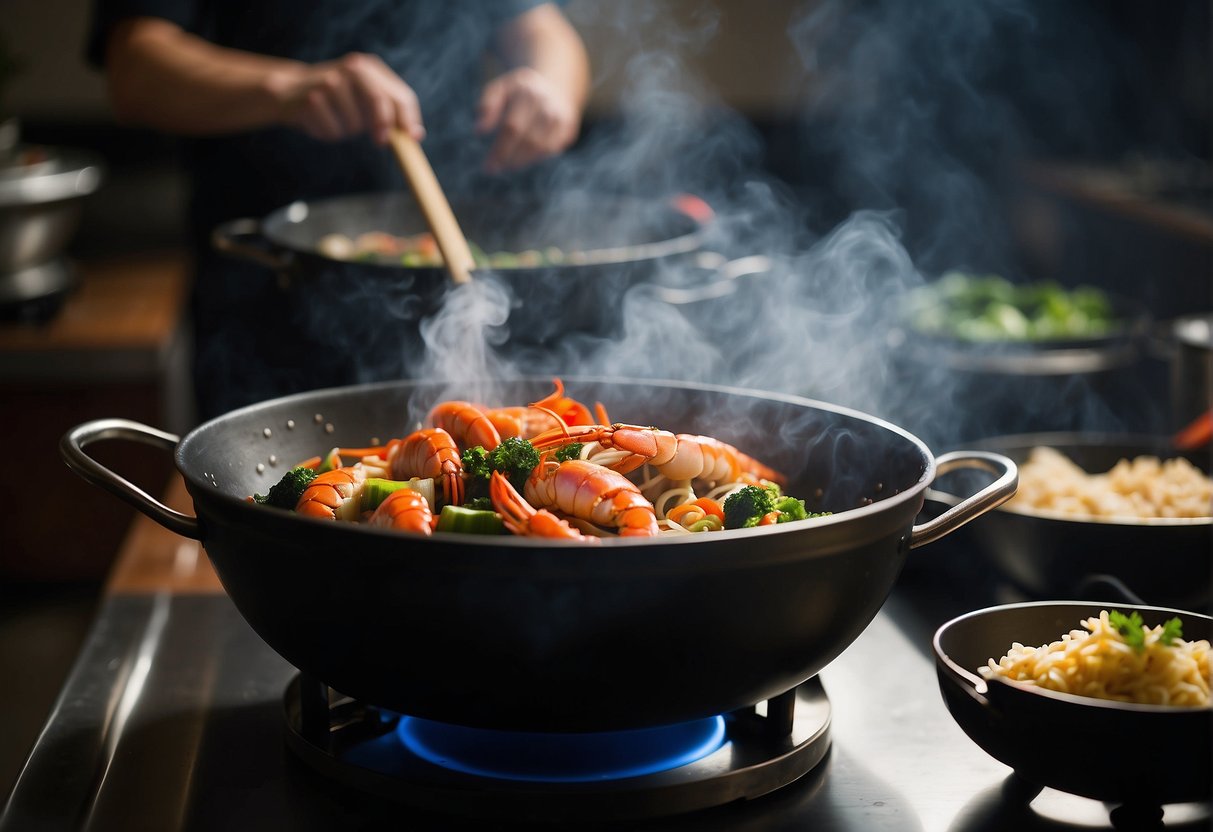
(1132, 629)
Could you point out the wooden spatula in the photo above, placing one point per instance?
(434, 205)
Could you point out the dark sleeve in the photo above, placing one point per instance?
(108, 13)
(501, 11)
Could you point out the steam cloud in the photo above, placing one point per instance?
(910, 134)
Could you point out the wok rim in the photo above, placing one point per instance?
(1148, 445)
(198, 483)
(272, 223)
(1067, 700)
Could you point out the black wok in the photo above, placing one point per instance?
(1111, 751)
(610, 243)
(521, 633)
(1164, 561)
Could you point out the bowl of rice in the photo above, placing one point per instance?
(1107, 701)
(1097, 515)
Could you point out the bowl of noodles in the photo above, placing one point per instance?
(1107, 701)
(1099, 514)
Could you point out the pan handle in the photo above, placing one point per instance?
(242, 238)
(71, 448)
(994, 494)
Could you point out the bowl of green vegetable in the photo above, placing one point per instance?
(988, 323)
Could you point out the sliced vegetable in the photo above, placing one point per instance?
(469, 521)
(330, 461)
(376, 489)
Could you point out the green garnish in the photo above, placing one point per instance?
(1132, 629)
(1171, 630)
(567, 452)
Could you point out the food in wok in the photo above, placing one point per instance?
(551, 469)
(991, 308)
(421, 250)
(1144, 486)
(1116, 657)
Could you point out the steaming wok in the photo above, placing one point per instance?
(612, 244)
(519, 633)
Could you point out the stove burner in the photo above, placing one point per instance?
(610, 776)
(561, 758)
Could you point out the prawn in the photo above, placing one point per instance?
(404, 510)
(592, 492)
(682, 456)
(551, 411)
(430, 452)
(521, 518)
(466, 423)
(333, 495)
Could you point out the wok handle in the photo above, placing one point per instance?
(242, 238)
(71, 448)
(994, 494)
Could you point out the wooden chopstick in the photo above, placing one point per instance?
(434, 205)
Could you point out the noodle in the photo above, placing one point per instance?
(1099, 662)
(1144, 487)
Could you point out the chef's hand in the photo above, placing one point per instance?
(354, 94)
(532, 116)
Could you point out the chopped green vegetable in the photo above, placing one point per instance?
(1171, 629)
(286, 492)
(376, 489)
(570, 451)
(479, 503)
(746, 506)
(1130, 628)
(469, 521)
(330, 461)
(991, 308)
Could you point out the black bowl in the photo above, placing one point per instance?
(1159, 561)
(1110, 751)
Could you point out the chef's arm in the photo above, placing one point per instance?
(544, 40)
(535, 106)
(161, 76)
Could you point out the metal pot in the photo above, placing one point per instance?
(610, 244)
(41, 193)
(520, 633)
(1090, 747)
(1017, 387)
(1191, 367)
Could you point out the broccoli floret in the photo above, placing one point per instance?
(479, 504)
(286, 492)
(746, 506)
(475, 463)
(514, 457)
(567, 452)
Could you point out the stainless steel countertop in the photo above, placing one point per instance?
(172, 719)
